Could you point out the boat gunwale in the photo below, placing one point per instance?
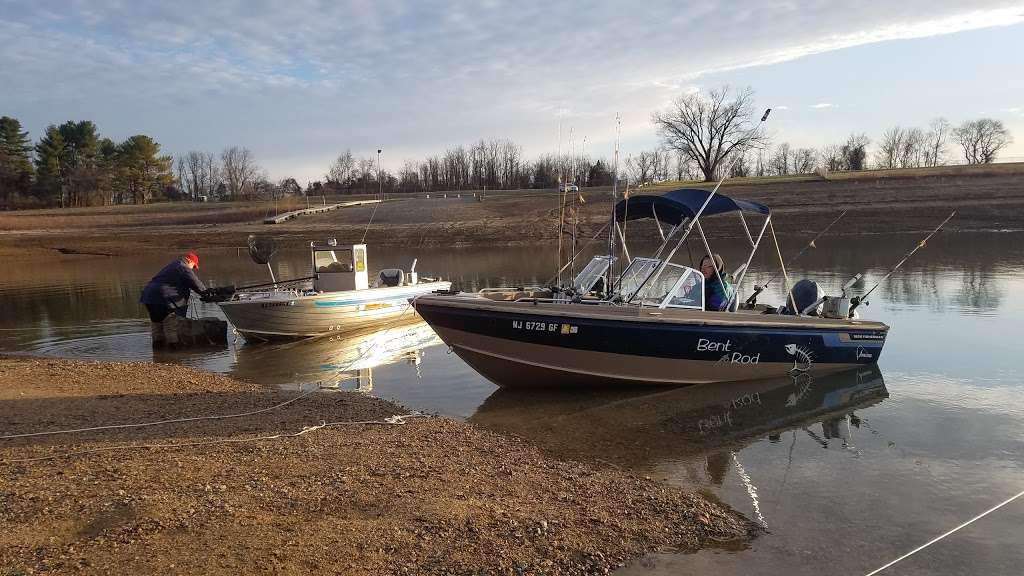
(667, 316)
(397, 290)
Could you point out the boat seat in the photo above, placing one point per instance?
(390, 277)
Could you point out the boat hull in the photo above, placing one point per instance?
(517, 344)
(282, 316)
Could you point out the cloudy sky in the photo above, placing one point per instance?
(300, 81)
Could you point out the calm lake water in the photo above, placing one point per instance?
(846, 472)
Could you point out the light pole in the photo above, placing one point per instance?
(380, 183)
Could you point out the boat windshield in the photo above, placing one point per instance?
(328, 261)
(592, 274)
(676, 287)
(634, 276)
(688, 291)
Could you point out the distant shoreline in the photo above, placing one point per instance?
(987, 198)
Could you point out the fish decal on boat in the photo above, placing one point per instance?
(802, 359)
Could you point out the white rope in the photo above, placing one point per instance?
(159, 422)
(396, 420)
(934, 540)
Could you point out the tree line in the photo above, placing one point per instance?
(485, 165)
(703, 136)
(714, 133)
(71, 165)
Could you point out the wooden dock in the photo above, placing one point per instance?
(316, 210)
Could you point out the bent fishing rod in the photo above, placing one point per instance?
(858, 300)
(752, 300)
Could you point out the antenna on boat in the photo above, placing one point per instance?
(561, 203)
(615, 198)
(858, 300)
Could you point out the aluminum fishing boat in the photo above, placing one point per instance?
(336, 299)
(651, 326)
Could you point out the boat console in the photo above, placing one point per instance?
(337, 269)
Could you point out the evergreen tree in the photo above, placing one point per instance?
(144, 174)
(49, 166)
(15, 162)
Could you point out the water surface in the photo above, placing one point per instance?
(846, 472)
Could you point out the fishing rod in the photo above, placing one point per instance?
(752, 300)
(858, 300)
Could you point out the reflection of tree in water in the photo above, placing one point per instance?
(974, 287)
(979, 290)
(920, 288)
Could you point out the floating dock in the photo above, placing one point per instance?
(316, 210)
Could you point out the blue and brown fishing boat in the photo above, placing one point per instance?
(651, 325)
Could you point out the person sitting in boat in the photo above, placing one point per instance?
(717, 290)
(166, 298)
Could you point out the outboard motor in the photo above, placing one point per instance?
(391, 277)
(804, 294)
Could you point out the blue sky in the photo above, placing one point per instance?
(300, 82)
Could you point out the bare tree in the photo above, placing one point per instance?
(779, 163)
(935, 142)
(342, 169)
(709, 127)
(802, 161)
(641, 168)
(982, 139)
(198, 174)
(831, 156)
(890, 148)
(240, 171)
(911, 154)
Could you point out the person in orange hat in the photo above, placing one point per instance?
(166, 298)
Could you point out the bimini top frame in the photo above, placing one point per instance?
(682, 209)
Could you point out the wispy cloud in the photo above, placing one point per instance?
(823, 105)
(305, 79)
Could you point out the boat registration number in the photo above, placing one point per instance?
(544, 327)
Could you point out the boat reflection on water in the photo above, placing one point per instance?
(344, 361)
(640, 429)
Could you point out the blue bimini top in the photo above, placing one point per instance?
(678, 205)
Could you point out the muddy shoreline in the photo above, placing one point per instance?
(986, 199)
(430, 496)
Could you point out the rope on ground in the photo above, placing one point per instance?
(202, 418)
(160, 422)
(396, 420)
(934, 540)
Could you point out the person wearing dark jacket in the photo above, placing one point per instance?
(717, 290)
(166, 297)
